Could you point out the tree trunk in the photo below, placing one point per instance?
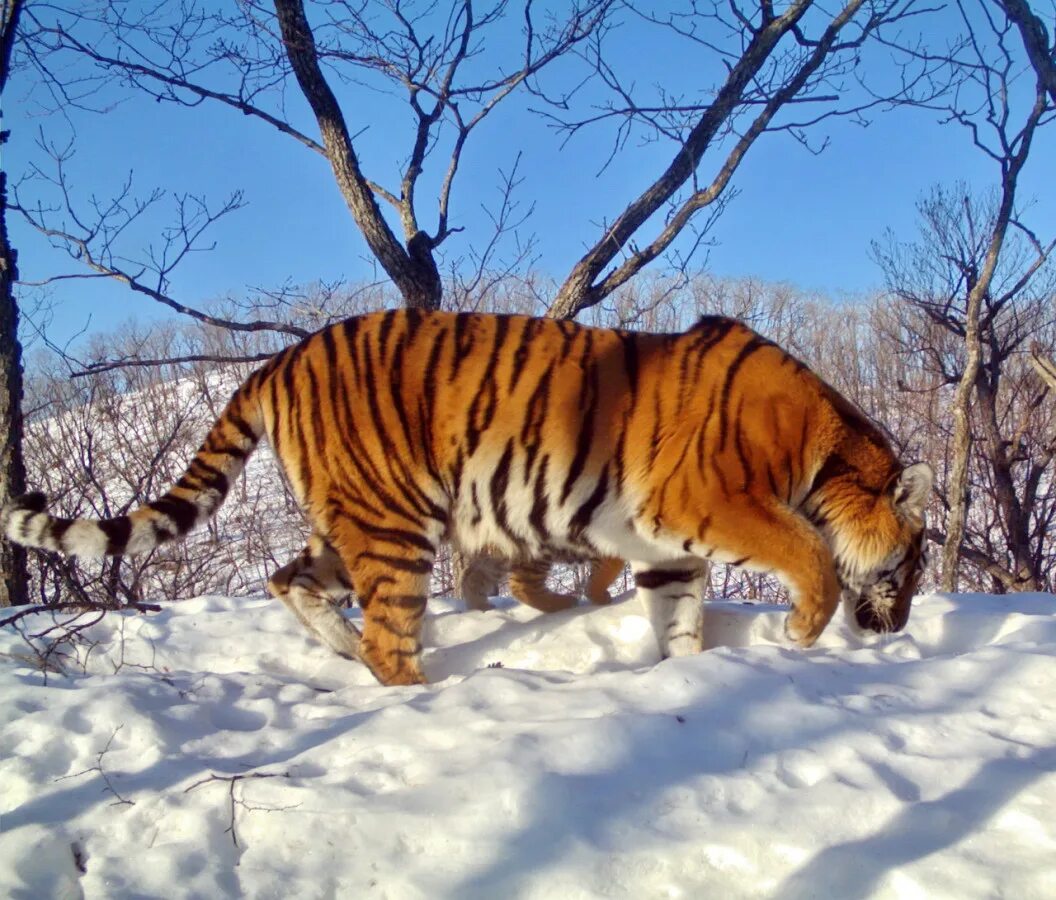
(1016, 517)
(14, 589)
(961, 445)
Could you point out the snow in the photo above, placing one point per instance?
(918, 765)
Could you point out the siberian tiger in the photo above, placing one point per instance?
(538, 438)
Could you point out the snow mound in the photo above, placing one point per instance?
(213, 750)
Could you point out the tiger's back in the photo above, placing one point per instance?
(536, 438)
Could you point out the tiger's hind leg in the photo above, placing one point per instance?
(528, 584)
(390, 571)
(309, 585)
(672, 597)
(603, 572)
(480, 580)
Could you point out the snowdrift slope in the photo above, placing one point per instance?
(922, 765)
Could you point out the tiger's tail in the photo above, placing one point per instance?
(194, 499)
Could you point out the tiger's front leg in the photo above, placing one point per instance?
(672, 597)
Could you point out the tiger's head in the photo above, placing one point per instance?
(878, 599)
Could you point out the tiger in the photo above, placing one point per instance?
(482, 574)
(541, 439)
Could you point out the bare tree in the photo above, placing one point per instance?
(242, 57)
(777, 60)
(1002, 117)
(13, 586)
(972, 336)
(444, 62)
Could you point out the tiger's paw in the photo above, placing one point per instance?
(804, 629)
(393, 673)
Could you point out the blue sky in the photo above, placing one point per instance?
(803, 218)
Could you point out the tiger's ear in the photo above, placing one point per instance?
(912, 490)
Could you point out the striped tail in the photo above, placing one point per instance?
(192, 500)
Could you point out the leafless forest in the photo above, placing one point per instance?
(106, 441)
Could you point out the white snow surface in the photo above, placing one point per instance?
(919, 765)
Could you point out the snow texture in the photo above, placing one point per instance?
(920, 765)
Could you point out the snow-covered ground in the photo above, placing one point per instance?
(922, 765)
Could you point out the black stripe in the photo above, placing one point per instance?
(162, 533)
(534, 417)
(210, 475)
(58, 527)
(738, 445)
(117, 532)
(350, 329)
(588, 400)
(652, 579)
(412, 319)
(229, 450)
(417, 566)
(400, 536)
(755, 343)
(520, 355)
(182, 512)
(456, 471)
(833, 467)
(464, 340)
(399, 476)
(409, 602)
(709, 332)
(243, 426)
(34, 501)
(315, 403)
(683, 380)
(630, 362)
(585, 513)
(482, 408)
(803, 448)
(388, 319)
(500, 481)
(366, 595)
(191, 482)
(568, 331)
(427, 402)
(621, 452)
(654, 439)
(297, 431)
(720, 475)
(266, 370)
(540, 502)
(396, 392)
(772, 481)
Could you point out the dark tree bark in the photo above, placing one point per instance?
(13, 581)
(413, 269)
(1039, 44)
